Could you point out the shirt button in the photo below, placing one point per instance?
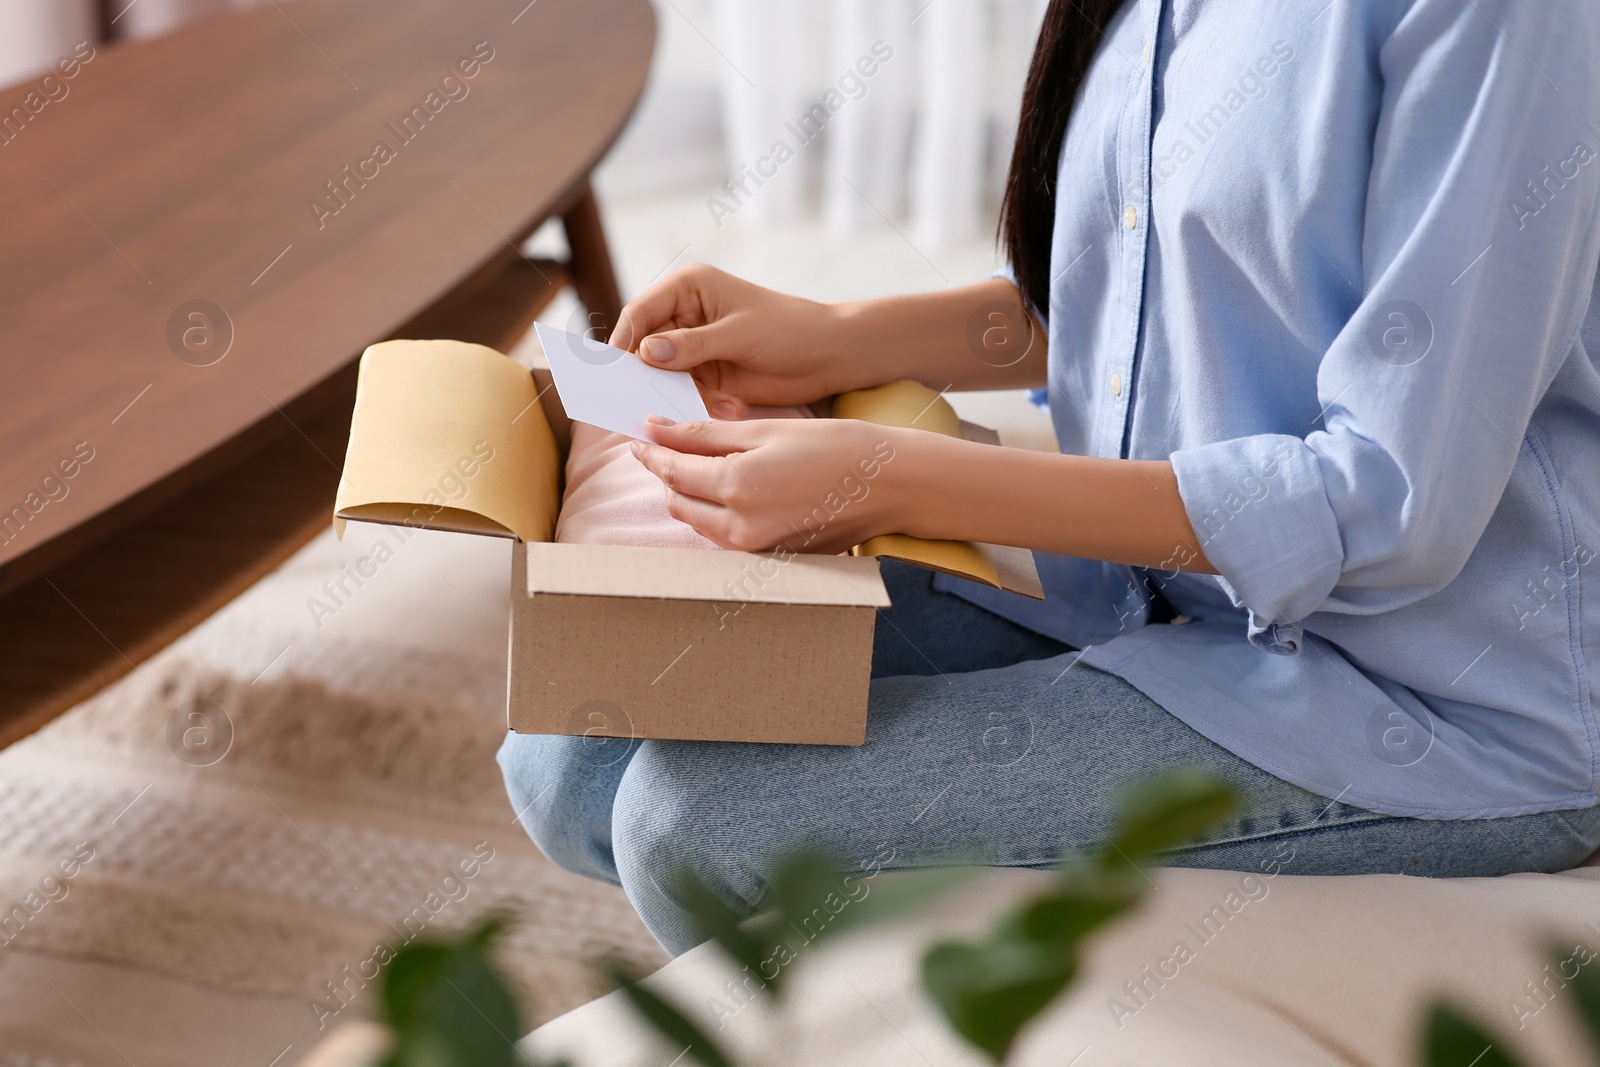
(1116, 385)
(1130, 216)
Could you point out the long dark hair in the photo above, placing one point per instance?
(1071, 33)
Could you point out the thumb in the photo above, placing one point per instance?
(692, 346)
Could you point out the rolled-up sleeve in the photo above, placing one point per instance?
(1480, 243)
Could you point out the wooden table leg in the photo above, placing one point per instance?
(592, 274)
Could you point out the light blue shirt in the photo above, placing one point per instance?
(1337, 262)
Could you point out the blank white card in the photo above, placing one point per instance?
(613, 389)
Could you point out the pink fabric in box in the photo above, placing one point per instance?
(612, 500)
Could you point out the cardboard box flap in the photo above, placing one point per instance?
(703, 574)
(1016, 570)
(982, 435)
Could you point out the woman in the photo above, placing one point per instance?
(1313, 286)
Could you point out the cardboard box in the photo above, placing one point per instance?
(617, 641)
(676, 643)
(613, 641)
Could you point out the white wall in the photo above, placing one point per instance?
(675, 138)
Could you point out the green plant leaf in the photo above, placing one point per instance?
(810, 886)
(1453, 1040)
(1071, 913)
(1167, 813)
(813, 899)
(717, 922)
(408, 980)
(900, 894)
(447, 1005)
(1586, 998)
(811, 895)
(989, 992)
(668, 1020)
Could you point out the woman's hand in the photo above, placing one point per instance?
(810, 485)
(823, 485)
(744, 344)
(748, 345)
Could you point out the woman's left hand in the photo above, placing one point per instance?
(810, 485)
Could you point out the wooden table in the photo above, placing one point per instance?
(200, 239)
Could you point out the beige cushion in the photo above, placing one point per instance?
(1301, 970)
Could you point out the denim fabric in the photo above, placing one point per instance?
(986, 743)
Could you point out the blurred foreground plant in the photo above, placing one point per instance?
(1451, 1039)
(990, 989)
(447, 1005)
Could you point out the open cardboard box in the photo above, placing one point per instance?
(634, 642)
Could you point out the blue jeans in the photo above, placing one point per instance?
(986, 743)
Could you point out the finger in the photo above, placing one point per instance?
(724, 406)
(672, 301)
(706, 519)
(688, 297)
(702, 477)
(690, 346)
(703, 438)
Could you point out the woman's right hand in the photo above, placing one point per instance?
(743, 343)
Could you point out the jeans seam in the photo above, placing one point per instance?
(1371, 818)
(1368, 818)
(1566, 824)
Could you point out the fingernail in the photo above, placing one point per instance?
(637, 447)
(660, 349)
(724, 409)
(659, 420)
